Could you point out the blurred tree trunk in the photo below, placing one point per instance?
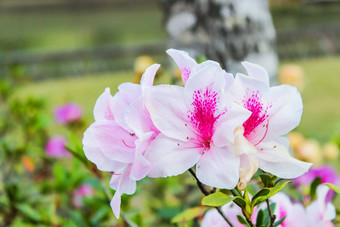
(227, 31)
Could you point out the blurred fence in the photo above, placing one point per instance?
(302, 43)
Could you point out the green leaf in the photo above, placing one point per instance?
(316, 182)
(333, 187)
(272, 192)
(268, 179)
(188, 214)
(240, 202)
(29, 212)
(241, 219)
(216, 199)
(277, 223)
(262, 192)
(259, 219)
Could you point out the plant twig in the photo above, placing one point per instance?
(271, 215)
(205, 192)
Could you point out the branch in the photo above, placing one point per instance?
(205, 192)
(272, 217)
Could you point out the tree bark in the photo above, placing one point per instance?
(227, 31)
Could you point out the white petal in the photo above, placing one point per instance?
(138, 119)
(256, 71)
(170, 157)
(219, 168)
(102, 109)
(168, 111)
(94, 154)
(149, 75)
(128, 93)
(124, 185)
(285, 113)
(184, 62)
(114, 142)
(225, 126)
(275, 158)
(140, 167)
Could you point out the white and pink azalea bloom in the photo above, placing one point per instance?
(230, 210)
(197, 124)
(55, 147)
(320, 213)
(117, 140)
(83, 191)
(187, 65)
(68, 113)
(294, 213)
(274, 111)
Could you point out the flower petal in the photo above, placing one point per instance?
(127, 94)
(170, 157)
(149, 75)
(102, 109)
(219, 168)
(140, 167)
(114, 142)
(122, 184)
(285, 113)
(184, 62)
(275, 158)
(94, 154)
(256, 71)
(168, 111)
(225, 126)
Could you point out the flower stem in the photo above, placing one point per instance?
(205, 192)
(272, 217)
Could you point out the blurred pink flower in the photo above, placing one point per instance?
(79, 193)
(68, 113)
(327, 174)
(55, 147)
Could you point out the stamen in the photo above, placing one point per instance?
(263, 135)
(127, 145)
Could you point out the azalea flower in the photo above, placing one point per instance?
(55, 147)
(196, 124)
(327, 174)
(274, 112)
(117, 140)
(293, 213)
(317, 214)
(83, 191)
(320, 213)
(68, 113)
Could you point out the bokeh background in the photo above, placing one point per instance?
(54, 52)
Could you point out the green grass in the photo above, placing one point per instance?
(321, 116)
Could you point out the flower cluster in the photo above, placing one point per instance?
(227, 127)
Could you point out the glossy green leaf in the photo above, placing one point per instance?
(272, 192)
(240, 202)
(268, 179)
(316, 182)
(188, 214)
(216, 199)
(333, 187)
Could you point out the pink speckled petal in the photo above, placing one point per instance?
(184, 62)
(168, 111)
